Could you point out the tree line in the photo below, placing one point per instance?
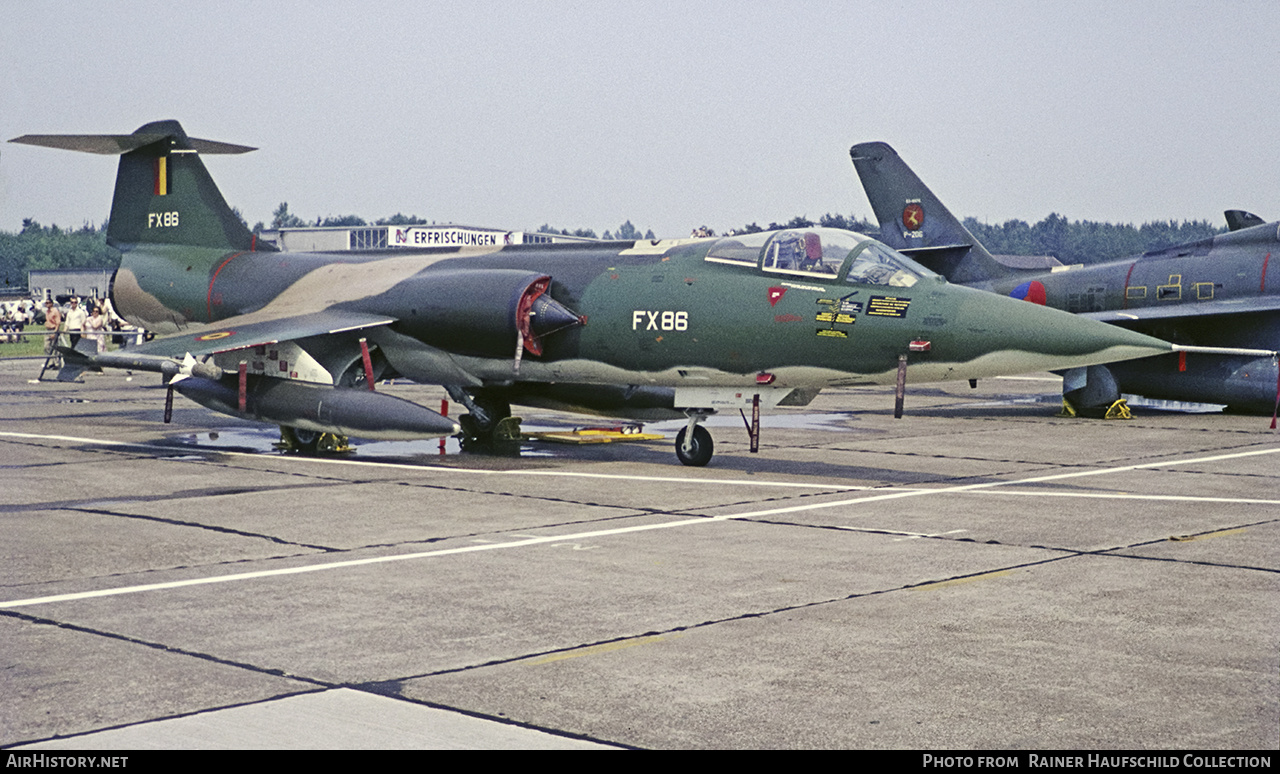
(1086, 241)
(50, 247)
(282, 218)
(38, 247)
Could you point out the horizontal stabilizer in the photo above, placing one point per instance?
(116, 144)
(1027, 262)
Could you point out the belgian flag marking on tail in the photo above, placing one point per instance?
(162, 176)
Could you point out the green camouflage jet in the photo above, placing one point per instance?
(641, 330)
(1210, 298)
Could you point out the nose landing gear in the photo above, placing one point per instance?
(693, 442)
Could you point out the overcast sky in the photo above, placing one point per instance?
(585, 114)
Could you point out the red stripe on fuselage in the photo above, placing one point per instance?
(208, 301)
(1263, 287)
(1125, 300)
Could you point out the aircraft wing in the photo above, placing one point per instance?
(1192, 309)
(250, 331)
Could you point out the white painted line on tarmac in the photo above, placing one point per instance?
(910, 535)
(894, 494)
(1129, 496)
(357, 562)
(74, 439)
(883, 495)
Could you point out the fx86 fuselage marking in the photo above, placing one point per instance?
(162, 219)
(659, 320)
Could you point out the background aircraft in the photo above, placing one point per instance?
(1213, 294)
(635, 329)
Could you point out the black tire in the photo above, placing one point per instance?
(304, 441)
(700, 450)
(494, 411)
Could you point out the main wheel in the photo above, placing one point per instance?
(311, 443)
(481, 424)
(700, 450)
(302, 441)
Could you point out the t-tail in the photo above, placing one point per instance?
(164, 195)
(915, 222)
(168, 220)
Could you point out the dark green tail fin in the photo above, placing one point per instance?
(1238, 219)
(164, 195)
(915, 222)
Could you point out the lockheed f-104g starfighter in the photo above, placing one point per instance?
(642, 330)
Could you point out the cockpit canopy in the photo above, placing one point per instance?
(822, 254)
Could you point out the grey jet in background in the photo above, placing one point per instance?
(1214, 294)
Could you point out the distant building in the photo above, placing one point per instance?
(320, 238)
(62, 284)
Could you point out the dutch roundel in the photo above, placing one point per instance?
(1032, 291)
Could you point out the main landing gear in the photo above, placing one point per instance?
(488, 425)
(309, 442)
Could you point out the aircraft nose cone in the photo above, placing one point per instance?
(549, 315)
(1021, 337)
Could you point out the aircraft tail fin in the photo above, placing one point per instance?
(1238, 219)
(913, 220)
(163, 195)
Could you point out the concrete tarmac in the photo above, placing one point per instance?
(977, 574)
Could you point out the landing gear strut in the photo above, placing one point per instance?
(693, 442)
(487, 421)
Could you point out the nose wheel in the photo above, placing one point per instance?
(693, 443)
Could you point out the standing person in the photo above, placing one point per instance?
(94, 327)
(25, 316)
(76, 316)
(53, 324)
